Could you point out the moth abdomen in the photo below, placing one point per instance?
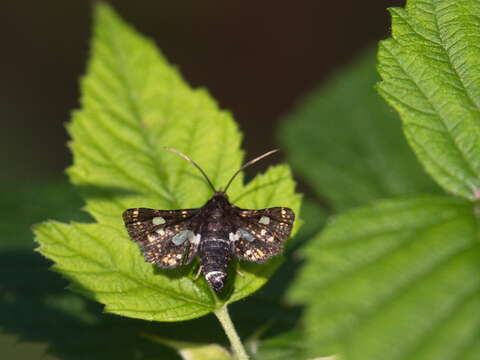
(215, 255)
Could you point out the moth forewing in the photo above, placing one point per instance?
(163, 235)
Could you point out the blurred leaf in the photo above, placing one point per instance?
(12, 348)
(396, 280)
(400, 279)
(347, 143)
(23, 204)
(194, 351)
(431, 76)
(314, 218)
(287, 346)
(133, 104)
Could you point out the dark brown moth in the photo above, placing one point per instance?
(216, 232)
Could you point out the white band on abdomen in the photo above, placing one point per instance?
(212, 273)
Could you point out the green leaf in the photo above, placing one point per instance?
(287, 346)
(103, 267)
(193, 351)
(431, 76)
(396, 280)
(347, 143)
(133, 104)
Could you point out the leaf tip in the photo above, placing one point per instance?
(104, 13)
(102, 8)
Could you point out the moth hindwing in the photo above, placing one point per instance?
(216, 232)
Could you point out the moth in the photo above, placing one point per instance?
(217, 232)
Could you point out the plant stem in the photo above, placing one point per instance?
(227, 324)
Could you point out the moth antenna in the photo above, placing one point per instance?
(179, 153)
(251, 162)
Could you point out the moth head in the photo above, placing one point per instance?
(217, 192)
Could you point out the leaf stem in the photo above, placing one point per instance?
(224, 317)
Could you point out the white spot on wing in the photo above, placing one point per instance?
(242, 233)
(265, 220)
(180, 237)
(158, 220)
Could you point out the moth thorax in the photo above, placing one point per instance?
(217, 214)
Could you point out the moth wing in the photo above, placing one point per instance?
(261, 234)
(166, 237)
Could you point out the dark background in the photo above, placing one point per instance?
(256, 58)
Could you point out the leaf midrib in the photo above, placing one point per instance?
(475, 106)
(122, 73)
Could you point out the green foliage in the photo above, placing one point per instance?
(394, 280)
(431, 76)
(133, 104)
(345, 141)
(193, 351)
(288, 346)
(399, 279)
